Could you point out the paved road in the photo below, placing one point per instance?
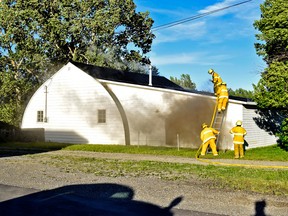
(70, 201)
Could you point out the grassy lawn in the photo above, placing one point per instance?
(271, 153)
(267, 181)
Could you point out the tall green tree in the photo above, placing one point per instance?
(37, 37)
(241, 93)
(184, 81)
(271, 91)
(273, 26)
(155, 71)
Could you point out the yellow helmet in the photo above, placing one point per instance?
(204, 125)
(239, 123)
(210, 71)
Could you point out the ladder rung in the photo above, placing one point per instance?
(218, 120)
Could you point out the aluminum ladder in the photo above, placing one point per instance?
(217, 121)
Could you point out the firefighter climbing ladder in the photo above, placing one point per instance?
(218, 117)
(217, 121)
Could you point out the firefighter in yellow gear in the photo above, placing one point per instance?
(222, 97)
(216, 79)
(208, 138)
(238, 139)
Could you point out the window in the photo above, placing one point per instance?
(101, 116)
(40, 116)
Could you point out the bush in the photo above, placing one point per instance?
(8, 132)
(283, 135)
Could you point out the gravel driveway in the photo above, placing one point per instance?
(32, 172)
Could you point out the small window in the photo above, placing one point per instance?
(40, 116)
(101, 116)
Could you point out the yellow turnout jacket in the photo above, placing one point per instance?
(216, 78)
(208, 133)
(239, 133)
(222, 92)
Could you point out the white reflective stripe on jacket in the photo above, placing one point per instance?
(239, 133)
(207, 134)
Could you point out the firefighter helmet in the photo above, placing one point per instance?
(210, 71)
(204, 125)
(239, 123)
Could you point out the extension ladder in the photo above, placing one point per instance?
(217, 121)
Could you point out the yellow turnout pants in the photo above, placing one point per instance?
(238, 150)
(212, 144)
(222, 103)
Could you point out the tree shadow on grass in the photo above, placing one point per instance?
(22, 146)
(7, 151)
(86, 199)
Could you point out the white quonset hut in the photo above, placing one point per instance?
(87, 104)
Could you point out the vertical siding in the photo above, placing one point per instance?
(144, 116)
(256, 137)
(158, 117)
(73, 101)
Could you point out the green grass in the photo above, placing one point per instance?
(134, 150)
(266, 181)
(270, 153)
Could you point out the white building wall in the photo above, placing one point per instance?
(73, 100)
(234, 112)
(144, 109)
(159, 117)
(256, 137)
(156, 117)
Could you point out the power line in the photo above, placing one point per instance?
(168, 25)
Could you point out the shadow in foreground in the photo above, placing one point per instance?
(86, 199)
(260, 208)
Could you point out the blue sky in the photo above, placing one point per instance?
(223, 41)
